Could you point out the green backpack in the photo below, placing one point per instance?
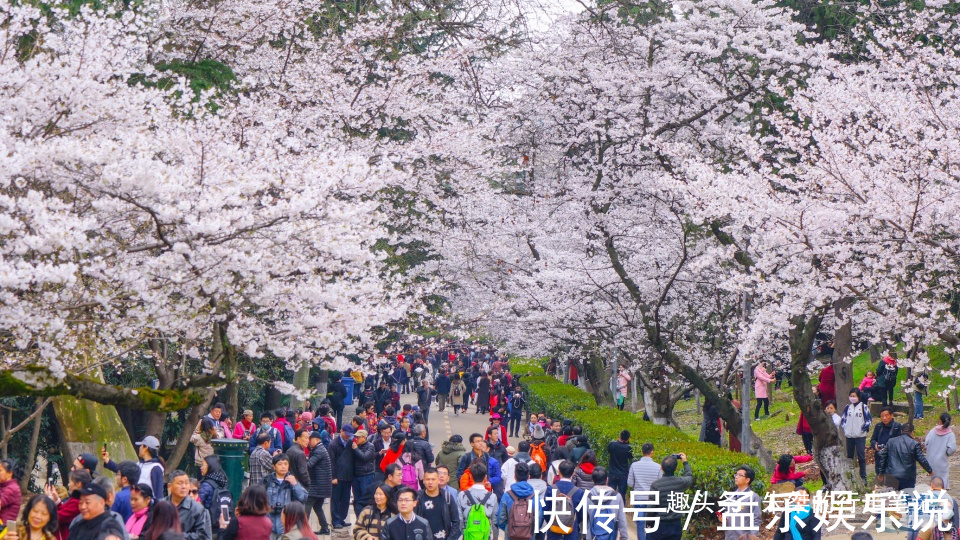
(477, 526)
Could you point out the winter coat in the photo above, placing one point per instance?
(449, 455)
(422, 447)
(442, 384)
(887, 373)
(203, 447)
(280, 492)
(298, 464)
(66, 511)
(321, 475)
(209, 486)
(941, 443)
(791, 474)
(582, 477)
(370, 522)
(364, 459)
(341, 458)
(337, 394)
(761, 380)
(194, 519)
(883, 433)
(483, 390)
(900, 457)
(621, 456)
(10, 499)
(828, 385)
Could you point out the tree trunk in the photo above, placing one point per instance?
(843, 348)
(32, 451)
(826, 440)
(594, 373)
(231, 394)
(657, 402)
(189, 425)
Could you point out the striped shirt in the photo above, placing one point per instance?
(642, 473)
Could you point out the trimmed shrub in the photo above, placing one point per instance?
(713, 467)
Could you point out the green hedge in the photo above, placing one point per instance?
(713, 467)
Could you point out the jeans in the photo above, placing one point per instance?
(340, 503)
(426, 413)
(513, 427)
(360, 485)
(918, 405)
(316, 504)
(858, 445)
(641, 526)
(668, 530)
(619, 483)
(766, 407)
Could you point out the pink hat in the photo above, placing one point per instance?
(495, 416)
(306, 417)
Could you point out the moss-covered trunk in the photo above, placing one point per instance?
(85, 426)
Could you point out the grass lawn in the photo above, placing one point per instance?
(779, 430)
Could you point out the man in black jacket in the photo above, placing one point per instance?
(96, 521)
(442, 384)
(899, 459)
(406, 525)
(337, 394)
(885, 430)
(381, 396)
(321, 477)
(364, 463)
(420, 444)
(671, 522)
(438, 507)
(424, 398)
(341, 461)
(621, 456)
(298, 458)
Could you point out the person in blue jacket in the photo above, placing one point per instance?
(266, 426)
(521, 489)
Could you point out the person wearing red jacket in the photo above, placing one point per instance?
(68, 509)
(828, 385)
(786, 469)
(394, 451)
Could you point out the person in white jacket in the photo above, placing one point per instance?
(941, 444)
(604, 503)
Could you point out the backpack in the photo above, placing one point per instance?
(477, 526)
(537, 454)
(221, 497)
(566, 517)
(456, 390)
(596, 525)
(519, 519)
(409, 472)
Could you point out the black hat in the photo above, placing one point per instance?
(88, 460)
(91, 488)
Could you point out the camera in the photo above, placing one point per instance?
(277, 508)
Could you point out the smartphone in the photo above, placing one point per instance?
(225, 512)
(104, 447)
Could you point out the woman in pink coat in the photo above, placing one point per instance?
(761, 379)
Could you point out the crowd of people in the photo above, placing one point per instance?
(381, 464)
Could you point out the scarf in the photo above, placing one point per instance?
(802, 514)
(940, 430)
(137, 521)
